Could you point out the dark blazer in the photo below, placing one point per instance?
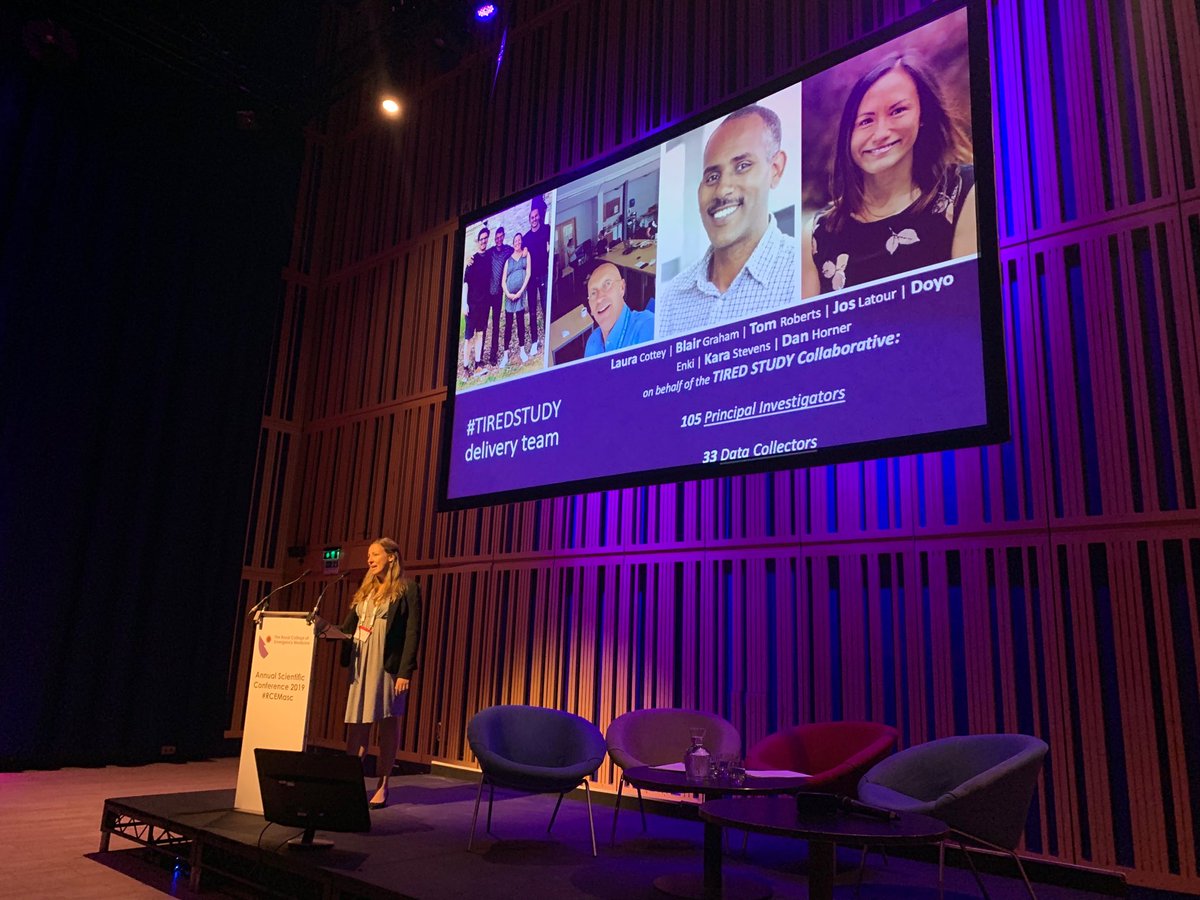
(403, 635)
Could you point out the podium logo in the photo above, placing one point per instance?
(262, 646)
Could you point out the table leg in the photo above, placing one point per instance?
(712, 883)
(822, 866)
(712, 861)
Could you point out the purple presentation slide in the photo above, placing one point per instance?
(806, 275)
(895, 358)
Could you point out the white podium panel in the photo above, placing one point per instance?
(277, 703)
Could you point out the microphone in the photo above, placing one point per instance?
(858, 808)
(308, 620)
(830, 804)
(262, 604)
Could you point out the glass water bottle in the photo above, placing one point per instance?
(695, 760)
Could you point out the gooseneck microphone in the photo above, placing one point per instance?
(858, 808)
(264, 602)
(308, 620)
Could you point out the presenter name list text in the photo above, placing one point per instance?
(830, 371)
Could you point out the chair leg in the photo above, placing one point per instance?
(1024, 877)
(587, 790)
(554, 814)
(491, 797)
(612, 842)
(941, 869)
(862, 866)
(991, 846)
(974, 871)
(642, 807)
(475, 817)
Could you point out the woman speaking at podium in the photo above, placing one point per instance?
(384, 627)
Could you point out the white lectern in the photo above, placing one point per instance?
(277, 704)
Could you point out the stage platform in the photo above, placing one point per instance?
(417, 848)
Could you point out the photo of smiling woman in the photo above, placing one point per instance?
(901, 189)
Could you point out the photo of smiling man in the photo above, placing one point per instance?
(745, 201)
(617, 326)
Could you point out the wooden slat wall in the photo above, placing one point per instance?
(1047, 585)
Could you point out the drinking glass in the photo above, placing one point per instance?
(737, 771)
(725, 764)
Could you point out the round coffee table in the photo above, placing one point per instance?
(673, 781)
(823, 831)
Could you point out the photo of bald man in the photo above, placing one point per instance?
(617, 326)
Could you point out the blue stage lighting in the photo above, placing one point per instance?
(485, 11)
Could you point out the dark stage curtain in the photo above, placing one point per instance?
(141, 240)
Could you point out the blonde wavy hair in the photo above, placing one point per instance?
(392, 585)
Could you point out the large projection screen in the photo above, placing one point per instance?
(804, 276)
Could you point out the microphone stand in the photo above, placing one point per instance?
(263, 604)
(308, 620)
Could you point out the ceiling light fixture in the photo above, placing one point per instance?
(391, 107)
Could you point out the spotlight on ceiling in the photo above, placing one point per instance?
(391, 107)
(485, 11)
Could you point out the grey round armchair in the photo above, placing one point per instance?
(656, 737)
(980, 785)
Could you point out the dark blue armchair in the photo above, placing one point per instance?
(530, 748)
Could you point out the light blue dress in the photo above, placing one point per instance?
(372, 693)
(516, 277)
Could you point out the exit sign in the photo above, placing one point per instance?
(332, 558)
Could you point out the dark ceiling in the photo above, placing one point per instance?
(150, 57)
(254, 64)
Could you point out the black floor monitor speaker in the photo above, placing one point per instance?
(310, 791)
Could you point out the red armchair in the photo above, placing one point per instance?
(835, 754)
